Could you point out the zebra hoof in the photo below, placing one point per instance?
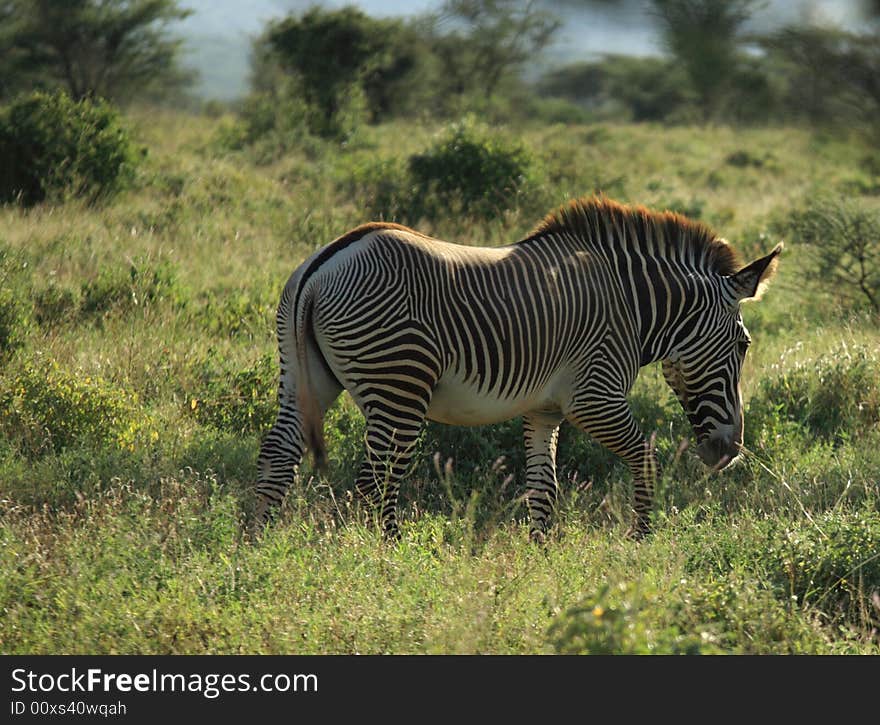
(638, 531)
(536, 536)
(391, 535)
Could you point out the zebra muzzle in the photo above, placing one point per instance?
(718, 452)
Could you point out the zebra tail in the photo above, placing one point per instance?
(312, 417)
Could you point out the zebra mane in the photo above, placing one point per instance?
(672, 234)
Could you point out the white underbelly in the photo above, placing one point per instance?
(457, 402)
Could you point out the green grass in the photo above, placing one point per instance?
(140, 370)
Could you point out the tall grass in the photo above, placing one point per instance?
(138, 373)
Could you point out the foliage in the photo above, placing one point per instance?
(832, 563)
(16, 73)
(13, 309)
(650, 89)
(490, 41)
(55, 304)
(472, 171)
(833, 397)
(237, 400)
(99, 48)
(843, 239)
(55, 147)
(703, 36)
(46, 408)
(117, 288)
(827, 75)
(337, 54)
(273, 121)
(617, 622)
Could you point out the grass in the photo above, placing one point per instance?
(142, 375)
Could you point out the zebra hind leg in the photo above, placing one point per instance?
(389, 451)
(541, 434)
(280, 455)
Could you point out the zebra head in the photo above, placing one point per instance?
(706, 360)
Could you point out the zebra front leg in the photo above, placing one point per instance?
(541, 434)
(280, 455)
(611, 423)
(389, 451)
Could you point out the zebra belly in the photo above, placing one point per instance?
(457, 402)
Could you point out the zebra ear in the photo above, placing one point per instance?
(751, 281)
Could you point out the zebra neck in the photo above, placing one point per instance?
(665, 299)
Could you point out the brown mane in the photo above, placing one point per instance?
(670, 232)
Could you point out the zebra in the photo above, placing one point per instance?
(552, 328)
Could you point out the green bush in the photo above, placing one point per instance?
(144, 282)
(231, 312)
(54, 305)
(237, 401)
(382, 186)
(53, 147)
(833, 398)
(47, 409)
(842, 247)
(271, 123)
(831, 563)
(13, 310)
(13, 322)
(472, 172)
(622, 620)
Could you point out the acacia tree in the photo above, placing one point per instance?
(479, 43)
(111, 48)
(842, 241)
(704, 35)
(332, 53)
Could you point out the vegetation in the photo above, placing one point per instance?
(138, 373)
(53, 146)
(333, 55)
(110, 48)
(704, 35)
(842, 239)
(138, 364)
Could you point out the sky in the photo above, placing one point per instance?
(217, 35)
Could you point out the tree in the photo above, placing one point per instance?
(14, 68)
(830, 75)
(648, 89)
(803, 56)
(479, 43)
(842, 241)
(334, 53)
(704, 36)
(110, 48)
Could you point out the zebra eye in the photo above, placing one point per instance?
(742, 346)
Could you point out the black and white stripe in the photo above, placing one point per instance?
(554, 327)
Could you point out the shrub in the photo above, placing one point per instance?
(831, 563)
(622, 620)
(382, 186)
(54, 305)
(471, 171)
(271, 122)
(237, 401)
(13, 322)
(13, 311)
(743, 158)
(843, 248)
(230, 312)
(143, 283)
(834, 397)
(55, 147)
(48, 409)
